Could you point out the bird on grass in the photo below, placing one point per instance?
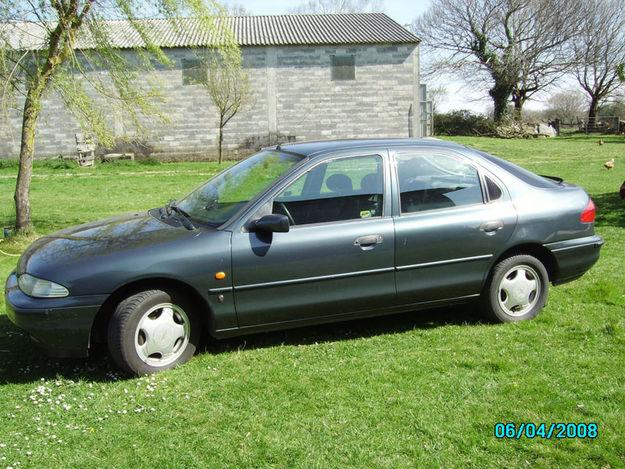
(600, 142)
(609, 164)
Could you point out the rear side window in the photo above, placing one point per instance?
(343, 189)
(494, 191)
(436, 181)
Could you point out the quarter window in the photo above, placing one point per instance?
(436, 181)
(343, 67)
(494, 191)
(343, 189)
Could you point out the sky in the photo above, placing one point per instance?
(459, 95)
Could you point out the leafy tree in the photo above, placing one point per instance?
(67, 47)
(227, 84)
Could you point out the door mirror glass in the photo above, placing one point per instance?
(272, 224)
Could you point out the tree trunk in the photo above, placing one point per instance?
(519, 96)
(501, 95)
(221, 139)
(518, 108)
(32, 106)
(592, 113)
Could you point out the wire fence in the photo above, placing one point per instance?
(602, 124)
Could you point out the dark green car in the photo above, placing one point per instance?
(303, 234)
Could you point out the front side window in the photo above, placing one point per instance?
(430, 181)
(219, 199)
(343, 189)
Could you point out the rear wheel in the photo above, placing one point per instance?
(516, 290)
(153, 331)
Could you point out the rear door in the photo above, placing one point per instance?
(338, 256)
(447, 226)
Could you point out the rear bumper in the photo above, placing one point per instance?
(574, 257)
(61, 326)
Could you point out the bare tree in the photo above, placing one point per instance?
(236, 9)
(227, 84)
(339, 6)
(566, 105)
(67, 47)
(599, 51)
(517, 47)
(436, 95)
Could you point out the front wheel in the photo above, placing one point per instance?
(153, 331)
(516, 290)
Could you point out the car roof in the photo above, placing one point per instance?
(323, 147)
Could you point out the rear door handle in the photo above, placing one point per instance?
(491, 226)
(368, 242)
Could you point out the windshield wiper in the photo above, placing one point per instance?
(184, 217)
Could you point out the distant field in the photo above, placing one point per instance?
(411, 390)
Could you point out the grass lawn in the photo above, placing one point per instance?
(422, 389)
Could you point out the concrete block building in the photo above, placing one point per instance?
(312, 77)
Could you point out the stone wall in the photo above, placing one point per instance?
(294, 98)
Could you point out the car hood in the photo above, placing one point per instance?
(98, 251)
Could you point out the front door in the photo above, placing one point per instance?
(448, 228)
(337, 257)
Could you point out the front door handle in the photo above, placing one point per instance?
(368, 242)
(491, 226)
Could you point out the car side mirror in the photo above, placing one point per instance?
(272, 224)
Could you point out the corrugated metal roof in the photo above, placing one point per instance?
(278, 30)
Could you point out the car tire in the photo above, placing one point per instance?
(153, 331)
(516, 290)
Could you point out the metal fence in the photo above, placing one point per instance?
(602, 124)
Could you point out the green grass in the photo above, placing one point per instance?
(419, 390)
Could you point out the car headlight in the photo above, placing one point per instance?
(39, 288)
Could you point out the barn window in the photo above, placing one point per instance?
(343, 67)
(193, 72)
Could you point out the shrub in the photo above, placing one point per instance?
(8, 163)
(148, 161)
(462, 122)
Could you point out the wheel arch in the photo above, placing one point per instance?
(99, 327)
(536, 250)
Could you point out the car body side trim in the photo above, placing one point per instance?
(220, 290)
(566, 248)
(446, 261)
(575, 243)
(313, 279)
(347, 274)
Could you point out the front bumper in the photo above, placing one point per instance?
(574, 257)
(62, 326)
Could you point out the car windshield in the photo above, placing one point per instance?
(219, 199)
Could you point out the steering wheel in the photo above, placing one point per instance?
(286, 212)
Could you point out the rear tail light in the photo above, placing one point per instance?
(588, 215)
